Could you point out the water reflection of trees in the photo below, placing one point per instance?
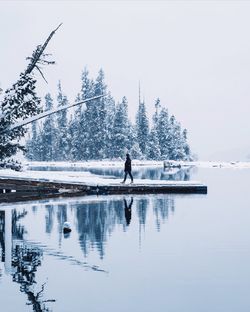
(49, 218)
(158, 173)
(25, 261)
(142, 207)
(18, 230)
(97, 220)
(161, 209)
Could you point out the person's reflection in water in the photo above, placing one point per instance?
(127, 210)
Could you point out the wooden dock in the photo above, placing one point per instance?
(18, 189)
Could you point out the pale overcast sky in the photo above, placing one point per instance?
(193, 55)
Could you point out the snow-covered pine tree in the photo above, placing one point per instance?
(32, 148)
(163, 131)
(120, 129)
(109, 123)
(39, 143)
(101, 132)
(156, 114)
(87, 86)
(155, 133)
(74, 132)
(49, 132)
(78, 133)
(171, 141)
(94, 117)
(84, 135)
(176, 150)
(133, 145)
(186, 146)
(96, 121)
(88, 119)
(153, 149)
(20, 102)
(62, 127)
(142, 127)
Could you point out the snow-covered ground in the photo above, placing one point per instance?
(85, 177)
(82, 178)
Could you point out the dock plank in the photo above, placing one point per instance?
(30, 189)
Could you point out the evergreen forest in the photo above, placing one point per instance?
(102, 129)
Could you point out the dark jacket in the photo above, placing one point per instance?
(127, 164)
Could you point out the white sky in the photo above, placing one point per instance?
(193, 55)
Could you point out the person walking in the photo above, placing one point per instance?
(128, 169)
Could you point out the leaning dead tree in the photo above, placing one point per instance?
(21, 105)
(20, 102)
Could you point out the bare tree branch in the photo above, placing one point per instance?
(41, 73)
(39, 52)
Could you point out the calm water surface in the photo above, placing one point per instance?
(141, 253)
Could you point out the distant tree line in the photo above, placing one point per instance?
(103, 130)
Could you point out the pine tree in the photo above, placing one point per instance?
(186, 146)
(87, 117)
(109, 123)
(163, 131)
(166, 135)
(153, 150)
(135, 151)
(20, 101)
(49, 133)
(101, 131)
(132, 142)
(34, 146)
(31, 145)
(62, 126)
(39, 144)
(87, 87)
(120, 129)
(176, 150)
(156, 114)
(142, 127)
(74, 132)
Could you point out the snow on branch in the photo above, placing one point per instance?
(47, 113)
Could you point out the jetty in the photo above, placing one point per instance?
(30, 188)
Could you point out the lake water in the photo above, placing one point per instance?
(167, 253)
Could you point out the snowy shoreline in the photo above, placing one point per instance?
(61, 171)
(136, 163)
